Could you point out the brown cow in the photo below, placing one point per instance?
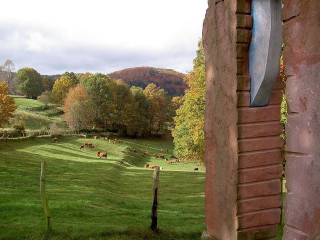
(196, 169)
(120, 141)
(147, 165)
(176, 160)
(84, 136)
(106, 138)
(103, 155)
(161, 156)
(95, 137)
(98, 154)
(54, 140)
(82, 147)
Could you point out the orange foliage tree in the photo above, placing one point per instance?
(78, 109)
(7, 104)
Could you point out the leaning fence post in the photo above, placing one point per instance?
(154, 211)
(44, 197)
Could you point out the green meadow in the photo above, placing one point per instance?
(93, 198)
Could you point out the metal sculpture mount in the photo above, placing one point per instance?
(265, 49)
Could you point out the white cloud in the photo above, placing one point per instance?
(116, 32)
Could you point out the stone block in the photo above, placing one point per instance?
(259, 218)
(261, 158)
(260, 203)
(258, 189)
(260, 174)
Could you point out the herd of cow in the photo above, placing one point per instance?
(104, 154)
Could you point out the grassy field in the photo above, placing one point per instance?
(36, 116)
(92, 198)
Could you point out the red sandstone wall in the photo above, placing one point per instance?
(302, 61)
(243, 148)
(259, 145)
(219, 37)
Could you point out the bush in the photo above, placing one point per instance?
(55, 130)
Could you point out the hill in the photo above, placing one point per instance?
(171, 81)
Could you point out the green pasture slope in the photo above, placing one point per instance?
(92, 198)
(38, 117)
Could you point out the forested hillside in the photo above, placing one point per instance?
(171, 81)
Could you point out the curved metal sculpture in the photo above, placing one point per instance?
(265, 49)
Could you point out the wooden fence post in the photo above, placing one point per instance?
(154, 211)
(44, 197)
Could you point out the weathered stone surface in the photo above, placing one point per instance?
(268, 232)
(219, 37)
(265, 188)
(259, 174)
(302, 61)
(259, 203)
(260, 158)
(257, 144)
(259, 218)
(259, 114)
(251, 130)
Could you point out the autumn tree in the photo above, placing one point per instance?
(7, 104)
(189, 122)
(99, 87)
(45, 98)
(125, 115)
(47, 83)
(29, 82)
(78, 109)
(61, 88)
(142, 115)
(160, 108)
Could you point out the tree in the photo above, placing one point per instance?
(29, 82)
(189, 122)
(61, 88)
(7, 75)
(45, 98)
(7, 104)
(99, 88)
(78, 109)
(141, 124)
(125, 115)
(47, 83)
(160, 109)
(74, 78)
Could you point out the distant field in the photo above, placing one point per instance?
(92, 198)
(36, 116)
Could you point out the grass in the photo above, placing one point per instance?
(36, 116)
(92, 198)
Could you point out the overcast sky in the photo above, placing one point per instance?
(100, 35)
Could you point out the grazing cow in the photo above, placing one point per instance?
(196, 169)
(95, 137)
(54, 140)
(147, 165)
(114, 141)
(103, 155)
(98, 154)
(161, 156)
(176, 160)
(142, 154)
(120, 141)
(161, 150)
(84, 136)
(169, 162)
(88, 144)
(82, 147)
(166, 149)
(106, 138)
(146, 152)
